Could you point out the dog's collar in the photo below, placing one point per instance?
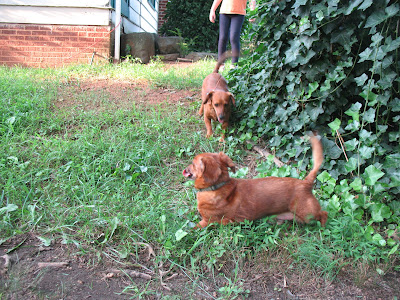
(213, 187)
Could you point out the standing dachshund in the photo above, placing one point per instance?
(222, 199)
(216, 100)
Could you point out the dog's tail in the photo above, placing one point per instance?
(221, 60)
(318, 157)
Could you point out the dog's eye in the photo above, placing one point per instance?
(216, 105)
(226, 104)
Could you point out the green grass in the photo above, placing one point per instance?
(111, 177)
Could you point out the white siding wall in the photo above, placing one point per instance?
(60, 3)
(55, 12)
(54, 15)
(142, 16)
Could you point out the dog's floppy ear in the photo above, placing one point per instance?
(225, 159)
(232, 99)
(209, 97)
(211, 170)
(198, 167)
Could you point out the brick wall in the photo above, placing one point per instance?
(32, 45)
(162, 6)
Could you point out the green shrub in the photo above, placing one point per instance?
(190, 18)
(331, 66)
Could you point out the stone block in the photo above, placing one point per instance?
(140, 44)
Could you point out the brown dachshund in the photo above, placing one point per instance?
(222, 199)
(216, 100)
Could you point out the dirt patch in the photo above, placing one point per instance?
(29, 270)
(117, 94)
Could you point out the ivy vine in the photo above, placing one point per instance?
(331, 66)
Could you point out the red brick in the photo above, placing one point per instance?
(85, 40)
(34, 38)
(95, 34)
(9, 31)
(18, 38)
(37, 32)
(33, 27)
(82, 34)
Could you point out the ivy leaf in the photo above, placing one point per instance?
(375, 19)
(369, 115)
(352, 6)
(365, 55)
(343, 37)
(303, 60)
(395, 105)
(365, 4)
(369, 96)
(360, 80)
(307, 41)
(351, 165)
(356, 184)
(299, 3)
(324, 176)
(353, 111)
(292, 53)
(331, 149)
(314, 112)
(386, 82)
(351, 144)
(391, 45)
(392, 160)
(366, 152)
(320, 15)
(380, 212)
(372, 175)
(312, 87)
(379, 240)
(392, 10)
(334, 125)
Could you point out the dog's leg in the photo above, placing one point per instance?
(224, 128)
(309, 210)
(322, 217)
(203, 223)
(201, 110)
(284, 217)
(207, 121)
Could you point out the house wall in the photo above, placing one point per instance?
(36, 45)
(161, 13)
(49, 33)
(143, 17)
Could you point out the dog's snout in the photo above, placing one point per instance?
(187, 173)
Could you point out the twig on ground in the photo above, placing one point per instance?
(52, 264)
(128, 272)
(172, 276)
(6, 258)
(162, 274)
(265, 153)
(149, 247)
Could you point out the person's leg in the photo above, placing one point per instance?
(235, 29)
(224, 24)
